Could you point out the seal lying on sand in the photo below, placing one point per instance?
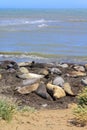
(42, 92)
(68, 89)
(30, 81)
(57, 91)
(30, 75)
(28, 89)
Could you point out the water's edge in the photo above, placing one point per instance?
(41, 57)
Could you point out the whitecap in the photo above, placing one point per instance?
(37, 21)
(16, 21)
(26, 22)
(42, 25)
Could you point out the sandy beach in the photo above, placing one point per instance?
(42, 120)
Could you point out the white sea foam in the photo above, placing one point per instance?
(42, 25)
(21, 56)
(8, 22)
(38, 21)
(24, 57)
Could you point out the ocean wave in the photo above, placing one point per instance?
(27, 21)
(38, 21)
(8, 22)
(42, 25)
(22, 57)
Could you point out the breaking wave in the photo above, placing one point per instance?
(8, 22)
(39, 57)
(42, 25)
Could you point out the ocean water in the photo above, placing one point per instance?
(43, 34)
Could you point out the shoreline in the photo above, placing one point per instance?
(41, 57)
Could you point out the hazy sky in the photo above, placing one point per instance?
(43, 3)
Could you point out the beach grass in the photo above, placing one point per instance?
(80, 112)
(6, 110)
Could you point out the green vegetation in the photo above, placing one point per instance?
(80, 115)
(82, 97)
(81, 111)
(6, 110)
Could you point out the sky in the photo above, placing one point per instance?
(43, 3)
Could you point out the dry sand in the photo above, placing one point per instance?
(42, 120)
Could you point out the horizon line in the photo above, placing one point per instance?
(41, 8)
